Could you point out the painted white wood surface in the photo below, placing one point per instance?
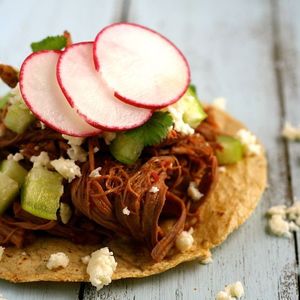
(230, 47)
(289, 66)
(22, 22)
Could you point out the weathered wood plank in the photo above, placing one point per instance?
(289, 68)
(230, 48)
(21, 23)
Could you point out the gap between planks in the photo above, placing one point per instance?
(277, 59)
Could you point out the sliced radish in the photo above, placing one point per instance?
(44, 97)
(90, 96)
(143, 68)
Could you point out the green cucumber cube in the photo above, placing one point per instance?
(13, 170)
(18, 117)
(41, 193)
(8, 191)
(232, 151)
(126, 148)
(193, 111)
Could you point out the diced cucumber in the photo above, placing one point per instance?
(232, 151)
(13, 170)
(18, 117)
(126, 148)
(41, 193)
(4, 100)
(193, 111)
(8, 192)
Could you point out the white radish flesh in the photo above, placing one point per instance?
(89, 94)
(141, 66)
(42, 94)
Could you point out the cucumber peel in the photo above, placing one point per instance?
(41, 193)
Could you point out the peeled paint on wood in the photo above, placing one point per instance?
(236, 195)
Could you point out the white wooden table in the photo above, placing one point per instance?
(246, 51)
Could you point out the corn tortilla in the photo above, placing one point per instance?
(234, 199)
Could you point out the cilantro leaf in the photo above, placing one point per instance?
(50, 43)
(154, 130)
(193, 89)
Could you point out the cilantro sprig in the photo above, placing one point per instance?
(50, 43)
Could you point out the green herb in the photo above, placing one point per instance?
(50, 43)
(4, 100)
(193, 89)
(154, 130)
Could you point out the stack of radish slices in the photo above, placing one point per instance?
(114, 83)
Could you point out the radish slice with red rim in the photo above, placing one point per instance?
(42, 94)
(142, 67)
(89, 94)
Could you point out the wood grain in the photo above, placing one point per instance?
(230, 48)
(289, 69)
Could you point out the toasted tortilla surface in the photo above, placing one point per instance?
(235, 197)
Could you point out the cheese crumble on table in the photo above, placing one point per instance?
(284, 220)
(291, 132)
(231, 292)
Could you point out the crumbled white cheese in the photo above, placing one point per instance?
(179, 125)
(58, 260)
(73, 140)
(96, 149)
(283, 221)
(185, 240)
(249, 141)
(65, 212)
(67, 168)
(77, 153)
(41, 160)
(154, 189)
(293, 212)
(101, 267)
(126, 211)
(222, 169)
(86, 259)
(277, 210)
(279, 226)
(223, 296)
(108, 137)
(193, 192)
(231, 291)
(16, 157)
(290, 132)
(96, 172)
(1, 252)
(219, 103)
(207, 260)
